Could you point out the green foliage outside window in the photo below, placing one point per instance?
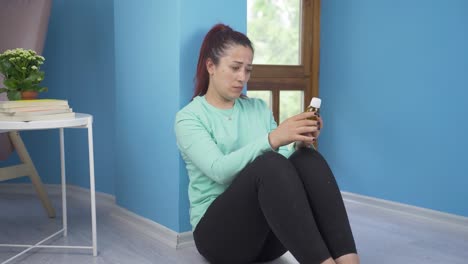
(273, 26)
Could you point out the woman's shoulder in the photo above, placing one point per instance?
(192, 109)
(251, 103)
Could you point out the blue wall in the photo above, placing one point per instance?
(147, 84)
(393, 78)
(156, 50)
(79, 52)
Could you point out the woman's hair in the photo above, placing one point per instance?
(217, 40)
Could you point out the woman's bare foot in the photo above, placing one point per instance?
(329, 261)
(348, 259)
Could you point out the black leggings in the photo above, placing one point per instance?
(274, 205)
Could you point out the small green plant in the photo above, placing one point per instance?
(21, 71)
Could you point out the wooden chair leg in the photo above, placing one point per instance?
(33, 175)
(6, 148)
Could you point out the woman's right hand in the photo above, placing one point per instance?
(295, 128)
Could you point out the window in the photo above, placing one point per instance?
(274, 28)
(285, 35)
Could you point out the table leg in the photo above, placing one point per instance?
(64, 184)
(92, 187)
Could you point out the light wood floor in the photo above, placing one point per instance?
(382, 236)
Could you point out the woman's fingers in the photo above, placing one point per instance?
(320, 122)
(312, 138)
(307, 122)
(296, 128)
(316, 134)
(306, 129)
(303, 115)
(307, 139)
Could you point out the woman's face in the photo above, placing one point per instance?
(228, 78)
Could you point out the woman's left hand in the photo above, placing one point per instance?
(300, 144)
(320, 126)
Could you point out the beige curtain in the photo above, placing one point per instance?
(23, 24)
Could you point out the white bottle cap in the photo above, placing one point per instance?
(315, 102)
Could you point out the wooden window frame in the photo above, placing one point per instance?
(276, 78)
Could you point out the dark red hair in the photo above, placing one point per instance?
(217, 40)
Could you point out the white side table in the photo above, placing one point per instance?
(79, 121)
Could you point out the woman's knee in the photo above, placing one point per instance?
(272, 161)
(312, 167)
(271, 156)
(275, 166)
(307, 157)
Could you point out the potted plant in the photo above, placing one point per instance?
(22, 75)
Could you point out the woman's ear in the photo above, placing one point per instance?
(210, 66)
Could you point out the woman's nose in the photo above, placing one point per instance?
(242, 76)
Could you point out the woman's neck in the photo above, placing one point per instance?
(217, 101)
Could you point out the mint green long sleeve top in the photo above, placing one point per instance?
(216, 144)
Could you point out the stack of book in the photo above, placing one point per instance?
(33, 110)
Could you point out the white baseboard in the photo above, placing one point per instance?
(147, 226)
(153, 229)
(434, 215)
(84, 194)
(55, 190)
(185, 239)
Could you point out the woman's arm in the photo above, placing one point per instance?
(194, 141)
(283, 150)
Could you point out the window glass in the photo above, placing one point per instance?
(291, 103)
(264, 95)
(274, 28)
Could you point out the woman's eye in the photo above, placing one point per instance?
(236, 68)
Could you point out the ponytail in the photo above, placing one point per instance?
(217, 40)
